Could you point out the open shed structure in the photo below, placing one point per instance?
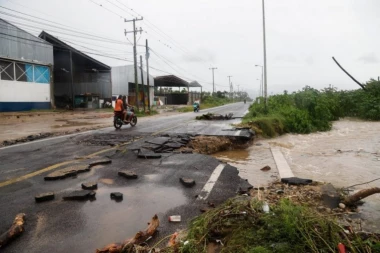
(79, 80)
(165, 90)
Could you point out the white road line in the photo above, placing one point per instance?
(211, 182)
(282, 165)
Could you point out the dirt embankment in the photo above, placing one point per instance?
(212, 144)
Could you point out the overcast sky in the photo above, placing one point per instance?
(302, 36)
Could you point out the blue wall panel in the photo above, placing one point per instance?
(23, 106)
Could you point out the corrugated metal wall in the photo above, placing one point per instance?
(122, 75)
(20, 45)
(98, 83)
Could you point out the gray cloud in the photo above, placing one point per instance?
(368, 58)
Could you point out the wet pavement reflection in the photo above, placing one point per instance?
(124, 219)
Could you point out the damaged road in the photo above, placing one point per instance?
(177, 182)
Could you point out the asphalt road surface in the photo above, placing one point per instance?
(82, 226)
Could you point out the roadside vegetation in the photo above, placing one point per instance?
(241, 225)
(310, 110)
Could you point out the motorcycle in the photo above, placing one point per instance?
(118, 119)
(196, 107)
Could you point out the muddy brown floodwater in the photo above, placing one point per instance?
(349, 154)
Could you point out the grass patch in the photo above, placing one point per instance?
(242, 226)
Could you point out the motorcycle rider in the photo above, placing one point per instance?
(126, 105)
(120, 108)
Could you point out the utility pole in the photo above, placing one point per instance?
(147, 72)
(135, 55)
(265, 60)
(213, 83)
(229, 83)
(142, 80)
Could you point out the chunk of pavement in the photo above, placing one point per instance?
(266, 168)
(67, 172)
(244, 187)
(188, 182)
(99, 162)
(148, 155)
(151, 146)
(174, 145)
(296, 181)
(79, 195)
(128, 174)
(44, 197)
(90, 186)
(116, 195)
(330, 196)
(159, 140)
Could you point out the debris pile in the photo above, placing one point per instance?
(212, 116)
(278, 218)
(213, 144)
(133, 243)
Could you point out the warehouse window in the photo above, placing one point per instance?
(41, 74)
(6, 70)
(24, 72)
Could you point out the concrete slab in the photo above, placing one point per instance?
(282, 165)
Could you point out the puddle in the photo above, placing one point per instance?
(249, 162)
(108, 221)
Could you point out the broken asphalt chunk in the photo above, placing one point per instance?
(148, 155)
(296, 181)
(128, 174)
(266, 168)
(99, 162)
(159, 140)
(174, 145)
(90, 186)
(44, 197)
(67, 172)
(118, 196)
(188, 182)
(80, 195)
(330, 196)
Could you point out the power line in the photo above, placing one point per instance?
(106, 9)
(70, 30)
(37, 30)
(56, 46)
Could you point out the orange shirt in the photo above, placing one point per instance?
(119, 105)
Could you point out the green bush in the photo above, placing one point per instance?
(310, 110)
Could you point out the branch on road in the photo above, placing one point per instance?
(352, 199)
(16, 229)
(128, 245)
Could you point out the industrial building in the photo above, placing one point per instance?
(164, 92)
(25, 70)
(123, 83)
(80, 81)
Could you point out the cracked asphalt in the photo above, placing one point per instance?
(82, 226)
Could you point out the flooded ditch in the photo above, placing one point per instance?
(349, 154)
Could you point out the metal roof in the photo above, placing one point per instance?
(194, 84)
(174, 81)
(55, 41)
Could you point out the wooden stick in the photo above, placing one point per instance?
(140, 237)
(15, 230)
